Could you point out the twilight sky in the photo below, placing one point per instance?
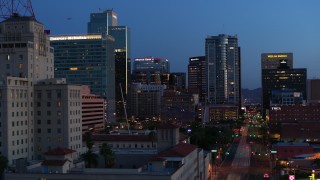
(176, 29)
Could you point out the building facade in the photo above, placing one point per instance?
(122, 65)
(223, 70)
(58, 117)
(223, 113)
(107, 23)
(87, 60)
(287, 97)
(282, 79)
(151, 70)
(197, 76)
(296, 113)
(179, 107)
(273, 60)
(100, 22)
(313, 88)
(26, 58)
(145, 100)
(177, 81)
(93, 111)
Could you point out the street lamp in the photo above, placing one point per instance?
(214, 161)
(273, 157)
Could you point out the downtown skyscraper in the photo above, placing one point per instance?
(197, 76)
(107, 22)
(279, 76)
(87, 60)
(223, 70)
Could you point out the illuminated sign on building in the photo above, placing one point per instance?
(79, 37)
(277, 56)
(194, 59)
(276, 108)
(149, 59)
(144, 59)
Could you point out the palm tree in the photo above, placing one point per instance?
(152, 136)
(90, 158)
(3, 165)
(108, 155)
(87, 137)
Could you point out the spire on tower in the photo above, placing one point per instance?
(11, 8)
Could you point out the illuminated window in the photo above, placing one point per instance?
(21, 66)
(58, 103)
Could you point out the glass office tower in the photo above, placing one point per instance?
(87, 60)
(223, 70)
(100, 22)
(151, 70)
(107, 22)
(197, 76)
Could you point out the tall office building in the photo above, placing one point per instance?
(223, 70)
(100, 22)
(145, 100)
(197, 76)
(107, 22)
(177, 81)
(26, 58)
(282, 79)
(122, 65)
(87, 60)
(273, 60)
(151, 70)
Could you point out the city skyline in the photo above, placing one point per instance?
(262, 27)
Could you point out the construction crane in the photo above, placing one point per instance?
(124, 107)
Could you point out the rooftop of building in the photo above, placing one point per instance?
(292, 144)
(167, 126)
(120, 137)
(53, 162)
(59, 151)
(179, 150)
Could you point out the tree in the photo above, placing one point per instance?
(108, 155)
(3, 165)
(90, 159)
(88, 139)
(152, 136)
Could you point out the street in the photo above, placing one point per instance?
(243, 163)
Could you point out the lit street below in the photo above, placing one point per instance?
(240, 164)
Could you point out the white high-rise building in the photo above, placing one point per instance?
(26, 58)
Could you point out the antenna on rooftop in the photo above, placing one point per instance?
(13, 8)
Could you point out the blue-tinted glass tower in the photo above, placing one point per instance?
(87, 60)
(223, 70)
(107, 22)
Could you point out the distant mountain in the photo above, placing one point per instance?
(252, 96)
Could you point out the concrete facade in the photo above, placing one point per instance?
(26, 58)
(58, 117)
(93, 111)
